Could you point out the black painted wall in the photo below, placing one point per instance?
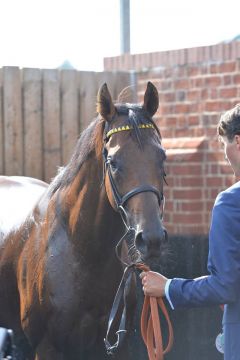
(195, 329)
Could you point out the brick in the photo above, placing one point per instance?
(214, 156)
(228, 181)
(227, 79)
(228, 92)
(169, 206)
(185, 143)
(166, 85)
(181, 95)
(191, 181)
(181, 84)
(214, 193)
(227, 67)
(171, 121)
(193, 120)
(187, 194)
(168, 193)
(211, 133)
(197, 82)
(167, 218)
(213, 93)
(181, 108)
(167, 133)
(169, 97)
(214, 169)
(209, 205)
(212, 81)
(205, 69)
(197, 132)
(236, 79)
(194, 94)
(212, 106)
(214, 69)
(196, 229)
(188, 218)
(204, 93)
(192, 206)
(185, 156)
(193, 70)
(214, 181)
(182, 132)
(194, 107)
(190, 169)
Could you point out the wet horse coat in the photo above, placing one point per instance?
(58, 267)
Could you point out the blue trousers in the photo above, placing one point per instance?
(231, 341)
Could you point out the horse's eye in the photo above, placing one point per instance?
(113, 165)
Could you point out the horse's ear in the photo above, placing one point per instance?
(151, 99)
(105, 105)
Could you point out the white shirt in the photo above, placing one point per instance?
(166, 290)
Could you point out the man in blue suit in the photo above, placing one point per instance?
(222, 286)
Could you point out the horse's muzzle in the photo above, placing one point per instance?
(151, 243)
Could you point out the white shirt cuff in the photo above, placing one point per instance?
(166, 290)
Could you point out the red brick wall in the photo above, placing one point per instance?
(214, 53)
(193, 95)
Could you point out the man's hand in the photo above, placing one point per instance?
(153, 283)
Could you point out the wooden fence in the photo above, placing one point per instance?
(42, 113)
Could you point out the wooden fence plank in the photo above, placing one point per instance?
(116, 81)
(90, 82)
(51, 123)
(39, 125)
(1, 127)
(108, 78)
(32, 110)
(70, 128)
(13, 125)
(88, 89)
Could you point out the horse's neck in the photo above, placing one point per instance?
(88, 212)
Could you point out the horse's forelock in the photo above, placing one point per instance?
(136, 115)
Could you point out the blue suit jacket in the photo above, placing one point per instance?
(222, 286)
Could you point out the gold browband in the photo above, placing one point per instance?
(127, 127)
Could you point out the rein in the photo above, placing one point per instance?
(150, 321)
(151, 327)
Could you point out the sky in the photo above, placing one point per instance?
(45, 33)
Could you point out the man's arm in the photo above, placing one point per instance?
(224, 264)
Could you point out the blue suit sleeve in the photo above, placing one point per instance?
(222, 285)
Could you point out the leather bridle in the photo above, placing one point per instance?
(120, 201)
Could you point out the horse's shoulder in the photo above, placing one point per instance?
(18, 197)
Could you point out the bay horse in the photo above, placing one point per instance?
(58, 268)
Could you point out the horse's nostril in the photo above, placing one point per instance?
(149, 243)
(140, 243)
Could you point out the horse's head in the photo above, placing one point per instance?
(134, 169)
